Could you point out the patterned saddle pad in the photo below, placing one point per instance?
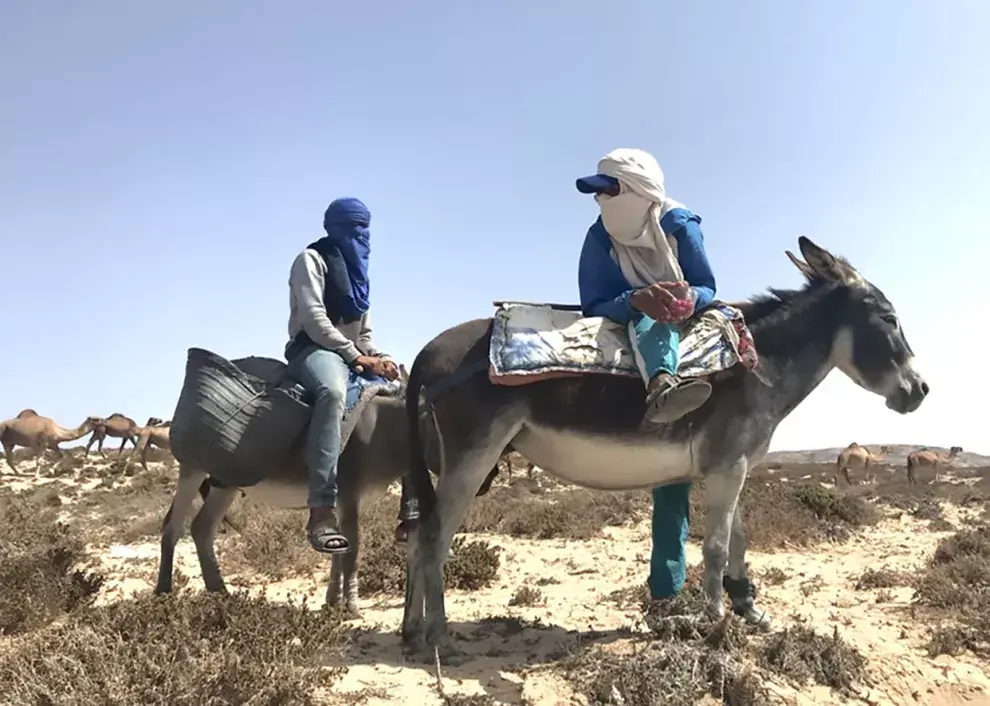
(532, 342)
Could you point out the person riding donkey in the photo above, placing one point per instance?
(644, 264)
(330, 335)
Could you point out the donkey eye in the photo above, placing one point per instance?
(889, 319)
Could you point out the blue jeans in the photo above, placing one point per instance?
(657, 351)
(324, 375)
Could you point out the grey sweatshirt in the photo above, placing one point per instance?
(308, 313)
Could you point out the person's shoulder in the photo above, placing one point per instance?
(310, 261)
(597, 232)
(309, 257)
(677, 218)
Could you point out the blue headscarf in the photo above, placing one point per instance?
(345, 249)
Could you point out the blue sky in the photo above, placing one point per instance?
(163, 164)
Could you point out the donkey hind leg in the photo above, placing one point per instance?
(742, 592)
(722, 487)
(186, 491)
(344, 567)
(465, 469)
(204, 533)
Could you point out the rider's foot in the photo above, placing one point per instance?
(322, 532)
(668, 397)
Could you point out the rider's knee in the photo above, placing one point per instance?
(330, 392)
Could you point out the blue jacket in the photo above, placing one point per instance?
(605, 290)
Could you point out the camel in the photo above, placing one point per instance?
(117, 426)
(39, 434)
(931, 458)
(154, 433)
(376, 455)
(589, 430)
(856, 456)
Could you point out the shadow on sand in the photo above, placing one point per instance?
(491, 645)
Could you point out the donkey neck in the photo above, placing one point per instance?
(795, 346)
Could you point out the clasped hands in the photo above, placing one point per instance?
(382, 367)
(664, 302)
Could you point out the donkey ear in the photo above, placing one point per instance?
(800, 264)
(825, 265)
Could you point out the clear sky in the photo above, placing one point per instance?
(163, 163)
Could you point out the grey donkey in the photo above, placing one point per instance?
(376, 455)
(588, 430)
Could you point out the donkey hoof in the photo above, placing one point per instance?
(351, 612)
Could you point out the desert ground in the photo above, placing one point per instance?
(880, 594)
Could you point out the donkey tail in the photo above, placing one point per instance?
(419, 472)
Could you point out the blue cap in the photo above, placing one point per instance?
(596, 183)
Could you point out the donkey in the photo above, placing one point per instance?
(588, 429)
(376, 455)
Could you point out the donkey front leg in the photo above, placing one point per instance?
(742, 592)
(722, 487)
(344, 567)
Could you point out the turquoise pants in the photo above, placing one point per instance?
(656, 348)
(668, 560)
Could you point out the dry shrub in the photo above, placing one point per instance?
(272, 541)
(127, 510)
(882, 578)
(957, 582)
(472, 565)
(686, 658)
(197, 650)
(526, 596)
(631, 596)
(472, 700)
(791, 514)
(568, 514)
(382, 567)
(40, 574)
(801, 654)
(774, 576)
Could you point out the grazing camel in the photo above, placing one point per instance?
(856, 456)
(154, 433)
(928, 458)
(39, 434)
(588, 429)
(117, 426)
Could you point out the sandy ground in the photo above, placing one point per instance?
(513, 664)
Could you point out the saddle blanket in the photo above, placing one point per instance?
(362, 388)
(536, 341)
(360, 391)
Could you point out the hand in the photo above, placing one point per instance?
(389, 370)
(368, 364)
(664, 302)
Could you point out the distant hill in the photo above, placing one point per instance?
(897, 456)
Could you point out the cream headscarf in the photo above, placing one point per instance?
(644, 253)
